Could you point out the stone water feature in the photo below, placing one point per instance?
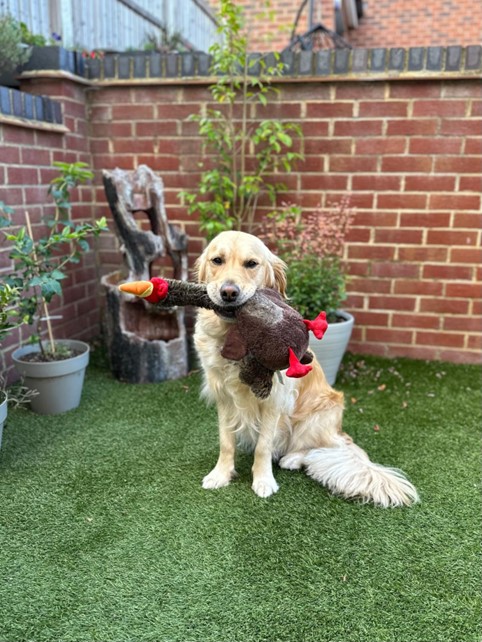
(145, 345)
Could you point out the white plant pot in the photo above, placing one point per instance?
(330, 350)
(3, 413)
(58, 383)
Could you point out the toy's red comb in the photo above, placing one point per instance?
(153, 291)
(318, 326)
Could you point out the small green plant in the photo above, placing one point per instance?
(165, 42)
(244, 156)
(17, 395)
(10, 298)
(312, 246)
(13, 51)
(39, 264)
(32, 39)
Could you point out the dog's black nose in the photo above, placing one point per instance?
(229, 292)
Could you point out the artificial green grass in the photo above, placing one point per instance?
(106, 533)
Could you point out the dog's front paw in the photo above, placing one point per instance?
(265, 486)
(218, 478)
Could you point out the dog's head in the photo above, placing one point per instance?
(235, 264)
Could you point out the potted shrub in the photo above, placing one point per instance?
(8, 315)
(9, 321)
(55, 368)
(311, 245)
(16, 395)
(15, 52)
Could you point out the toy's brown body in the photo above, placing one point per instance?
(266, 329)
(264, 333)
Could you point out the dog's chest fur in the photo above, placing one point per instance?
(223, 387)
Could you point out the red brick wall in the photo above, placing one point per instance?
(273, 34)
(397, 23)
(410, 153)
(386, 23)
(26, 157)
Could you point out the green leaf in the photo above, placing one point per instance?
(285, 139)
(49, 288)
(6, 209)
(57, 274)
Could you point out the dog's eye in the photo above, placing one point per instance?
(217, 260)
(251, 264)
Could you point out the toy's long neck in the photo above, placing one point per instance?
(184, 293)
(195, 294)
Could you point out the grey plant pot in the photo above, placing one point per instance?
(330, 350)
(58, 383)
(3, 413)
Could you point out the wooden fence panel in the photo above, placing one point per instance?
(116, 25)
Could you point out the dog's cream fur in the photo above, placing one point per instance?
(300, 424)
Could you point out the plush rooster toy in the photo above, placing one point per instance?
(268, 335)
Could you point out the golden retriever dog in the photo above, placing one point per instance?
(300, 424)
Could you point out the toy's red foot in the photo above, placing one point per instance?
(153, 291)
(317, 326)
(296, 368)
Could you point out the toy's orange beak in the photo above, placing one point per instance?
(139, 288)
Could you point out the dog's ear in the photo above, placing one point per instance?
(279, 276)
(200, 268)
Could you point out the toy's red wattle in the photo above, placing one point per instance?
(297, 369)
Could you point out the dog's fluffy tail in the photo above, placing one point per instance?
(347, 471)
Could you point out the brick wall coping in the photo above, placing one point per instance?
(326, 65)
(32, 124)
(58, 74)
(140, 68)
(28, 110)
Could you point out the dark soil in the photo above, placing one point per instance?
(38, 357)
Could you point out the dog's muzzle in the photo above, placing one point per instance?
(227, 313)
